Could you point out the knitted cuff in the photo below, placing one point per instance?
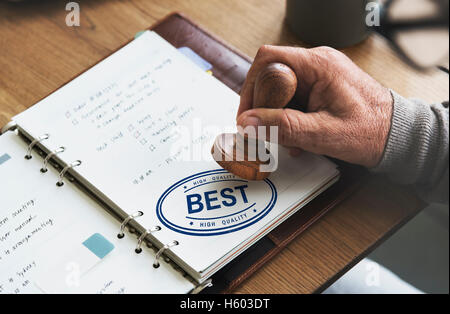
(409, 141)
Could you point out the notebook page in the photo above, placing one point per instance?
(41, 226)
(137, 121)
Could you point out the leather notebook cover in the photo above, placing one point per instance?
(231, 67)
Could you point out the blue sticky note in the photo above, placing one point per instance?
(4, 158)
(202, 63)
(98, 245)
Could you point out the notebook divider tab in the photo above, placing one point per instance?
(130, 222)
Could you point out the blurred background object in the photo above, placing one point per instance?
(332, 23)
(418, 30)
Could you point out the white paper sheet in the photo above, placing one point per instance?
(42, 224)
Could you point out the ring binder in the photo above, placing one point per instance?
(121, 234)
(161, 251)
(206, 284)
(65, 169)
(49, 156)
(10, 126)
(138, 249)
(34, 142)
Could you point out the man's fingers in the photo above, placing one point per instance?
(295, 128)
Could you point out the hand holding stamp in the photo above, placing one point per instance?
(275, 86)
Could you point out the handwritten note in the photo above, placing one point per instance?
(21, 226)
(41, 223)
(136, 114)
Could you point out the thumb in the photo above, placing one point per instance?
(295, 128)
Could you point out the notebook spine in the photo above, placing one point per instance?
(206, 284)
(10, 126)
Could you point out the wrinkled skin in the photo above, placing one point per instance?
(348, 112)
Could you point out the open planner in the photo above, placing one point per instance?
(126, 146)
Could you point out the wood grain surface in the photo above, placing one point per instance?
(39, 53)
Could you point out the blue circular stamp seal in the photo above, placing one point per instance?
(215, 202)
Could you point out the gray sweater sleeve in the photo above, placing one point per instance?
(416, 151)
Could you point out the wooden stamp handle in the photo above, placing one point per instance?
(275, 86)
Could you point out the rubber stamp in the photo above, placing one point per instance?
(275, 86)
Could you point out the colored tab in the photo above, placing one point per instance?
(139, 34)
(98, 245)
(194, 57)
(4, 158)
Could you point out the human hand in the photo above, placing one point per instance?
(348, 112)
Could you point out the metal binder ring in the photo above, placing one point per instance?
(34, 142)
(142, 237)
(49, 156)
(161, 251)
(65, 169)
(125, 222)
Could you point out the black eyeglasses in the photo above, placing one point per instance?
(418, 30)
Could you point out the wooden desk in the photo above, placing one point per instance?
(38, 53)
